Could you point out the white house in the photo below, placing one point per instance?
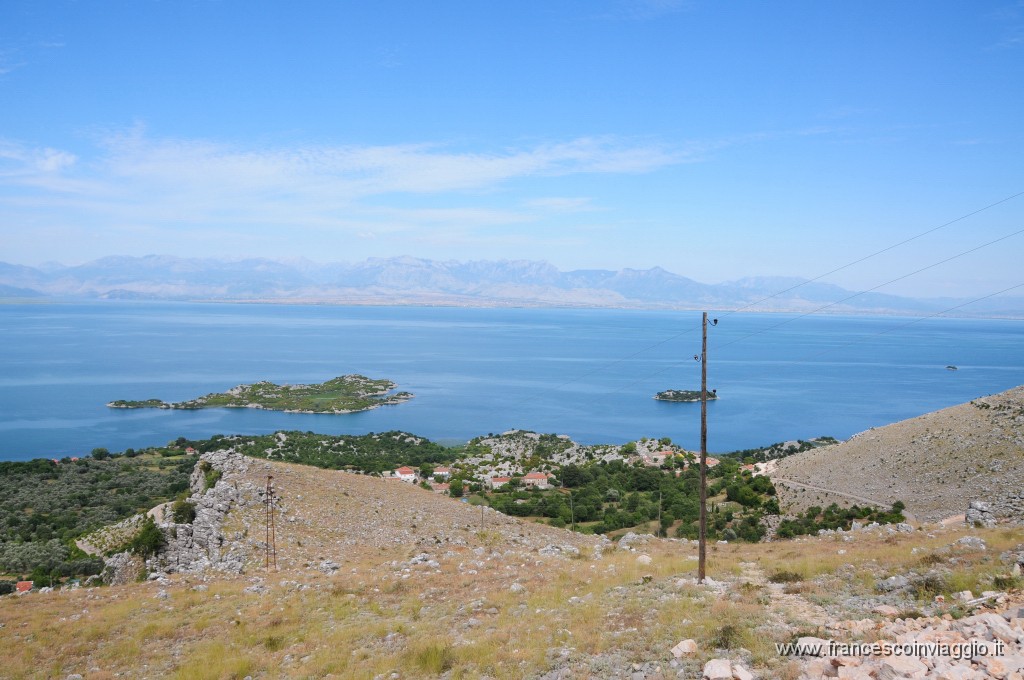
(406, 474)
(537, 479)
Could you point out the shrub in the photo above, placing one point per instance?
(183, 512)
(148, 540)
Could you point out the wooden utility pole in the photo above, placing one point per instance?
(271, 545)
(702, 549)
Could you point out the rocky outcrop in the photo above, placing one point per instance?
(979, 514)
(202, 544)
(122, 568)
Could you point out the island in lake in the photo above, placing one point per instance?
(344, 394)
(684, 395)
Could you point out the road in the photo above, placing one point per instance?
(862, 499)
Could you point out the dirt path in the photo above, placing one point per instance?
(863, 499)
(788, 610)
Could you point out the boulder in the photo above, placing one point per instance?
(686, 648)
(718, 669)
(122, 568)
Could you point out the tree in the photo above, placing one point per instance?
(148, 540)
(455, 488)
(100, 453)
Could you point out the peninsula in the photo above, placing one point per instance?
(344, 394)
(684, 395)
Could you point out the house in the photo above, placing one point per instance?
(441, 487)
(406, 474)
(498, 482)
(23, 586)
(442, 473)
(536, 479)
(190, 451)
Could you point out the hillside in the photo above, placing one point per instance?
(379, 579)
(936, 463)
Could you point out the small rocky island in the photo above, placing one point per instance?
(684, 395)
(344, 394)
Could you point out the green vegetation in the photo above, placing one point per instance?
(604, 497)
(343, 394)
(370, 453)
(684, 395)
(48, 505)
(834, 517)
(780, 449)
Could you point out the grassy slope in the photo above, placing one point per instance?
(380, 614)
(935, 463)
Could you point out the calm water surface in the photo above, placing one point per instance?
(586, 373)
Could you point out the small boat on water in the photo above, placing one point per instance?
(951, 368)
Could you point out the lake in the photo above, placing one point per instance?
(590, 374)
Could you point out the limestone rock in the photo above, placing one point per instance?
(686, 648)
(718, 669)
(122, 568)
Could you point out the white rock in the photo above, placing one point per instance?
(686, 648)
(718, 669)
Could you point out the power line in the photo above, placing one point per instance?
(869, 290)
(605, 366)
(832, 349)
(875, 254)
(910, 323)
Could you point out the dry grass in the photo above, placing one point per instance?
(373, 618)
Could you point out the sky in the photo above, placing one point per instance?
(717, 140)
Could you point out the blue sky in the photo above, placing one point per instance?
(714, 139)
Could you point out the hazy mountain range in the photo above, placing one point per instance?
(408, 280)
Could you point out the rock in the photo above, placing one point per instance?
(644, 560)
(626, 542)
(741, 673)
(896, 667)
(810, 644)
(517, 588)
(971, 543)
(718, 669)
(893, 583)
(122, 568)
(686, 648)
(552, 550)
(979, 514)
(886, 610)
(904, 528)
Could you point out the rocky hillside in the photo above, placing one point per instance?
(936, 464)
(382, 579)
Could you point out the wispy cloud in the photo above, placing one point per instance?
(146, 187)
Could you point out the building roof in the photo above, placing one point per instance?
(405, 471)
(536, 475)
(501, 480)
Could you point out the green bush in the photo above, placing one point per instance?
(148, 540)
(183, 512)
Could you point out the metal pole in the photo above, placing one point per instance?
(702, 549)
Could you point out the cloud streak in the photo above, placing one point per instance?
(131, 181)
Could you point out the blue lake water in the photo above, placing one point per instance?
(590, 374)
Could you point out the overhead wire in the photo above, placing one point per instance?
(647, 348)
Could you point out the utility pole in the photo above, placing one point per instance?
(271, 545)
(703, 540)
